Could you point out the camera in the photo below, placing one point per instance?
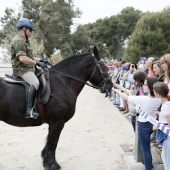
(133, 66)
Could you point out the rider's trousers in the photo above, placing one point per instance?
(31, 79)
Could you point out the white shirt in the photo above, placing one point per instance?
(148, 104)
(165, 111)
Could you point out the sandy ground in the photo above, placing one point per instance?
(89, 141)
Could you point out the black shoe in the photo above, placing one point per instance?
(121, 110)
(115, 104)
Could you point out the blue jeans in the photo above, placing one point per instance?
(117, 99)
(144, 133)
(166, 153)
(133, 121)
(109, 94)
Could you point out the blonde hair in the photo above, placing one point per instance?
(151, 59)
(166, 59)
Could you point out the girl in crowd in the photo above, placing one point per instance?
(161, 91)
(139, 78)
(149, 104)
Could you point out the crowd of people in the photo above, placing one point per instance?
(144, 85)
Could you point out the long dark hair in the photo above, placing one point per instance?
(132, 63)
(150, 83)
(139, 77)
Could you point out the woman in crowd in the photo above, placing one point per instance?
(165, 63)
(139, 78)
(161, 91)
(149, 104)
(127, 81)
(158, 71)
(118, 80)
(148, 66)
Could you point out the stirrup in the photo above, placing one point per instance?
(32, 114)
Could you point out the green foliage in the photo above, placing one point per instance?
(52, 20)
(81, 39)
(130, 34)
(114, 31)
(151, 36)
(8, 22)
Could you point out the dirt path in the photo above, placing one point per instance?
(90, 140)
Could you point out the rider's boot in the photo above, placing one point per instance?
(30, 112)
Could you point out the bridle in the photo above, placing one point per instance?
(103, 70)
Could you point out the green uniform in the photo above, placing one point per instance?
(20, 47)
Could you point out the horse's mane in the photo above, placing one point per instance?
(70, 59)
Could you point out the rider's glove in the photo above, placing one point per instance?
(41, 64)
(45, 62)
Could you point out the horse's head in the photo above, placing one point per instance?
(100, 76)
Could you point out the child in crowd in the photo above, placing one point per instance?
(161, 91)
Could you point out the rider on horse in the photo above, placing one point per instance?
(23, 63)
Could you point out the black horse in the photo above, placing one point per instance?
(67, 79)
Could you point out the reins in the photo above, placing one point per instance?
(85, 82)
(96, 87)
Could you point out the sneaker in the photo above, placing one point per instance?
(122, 109)
(132, 148)
(127, 114)
(112, 99)
(114, 103)
(126, 111)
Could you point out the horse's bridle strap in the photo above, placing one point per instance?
(76, 79)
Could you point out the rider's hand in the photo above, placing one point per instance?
(41, 64)
(45, 62)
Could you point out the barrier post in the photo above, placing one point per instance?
(138, 152)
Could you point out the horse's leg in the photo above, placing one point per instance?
(48, 153)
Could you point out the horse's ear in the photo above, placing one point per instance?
(96, 54)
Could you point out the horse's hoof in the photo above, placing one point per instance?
(54, 166)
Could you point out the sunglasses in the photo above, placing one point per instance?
(30, 29)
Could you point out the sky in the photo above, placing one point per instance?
(96, 9)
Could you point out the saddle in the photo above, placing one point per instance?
(44, 90)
